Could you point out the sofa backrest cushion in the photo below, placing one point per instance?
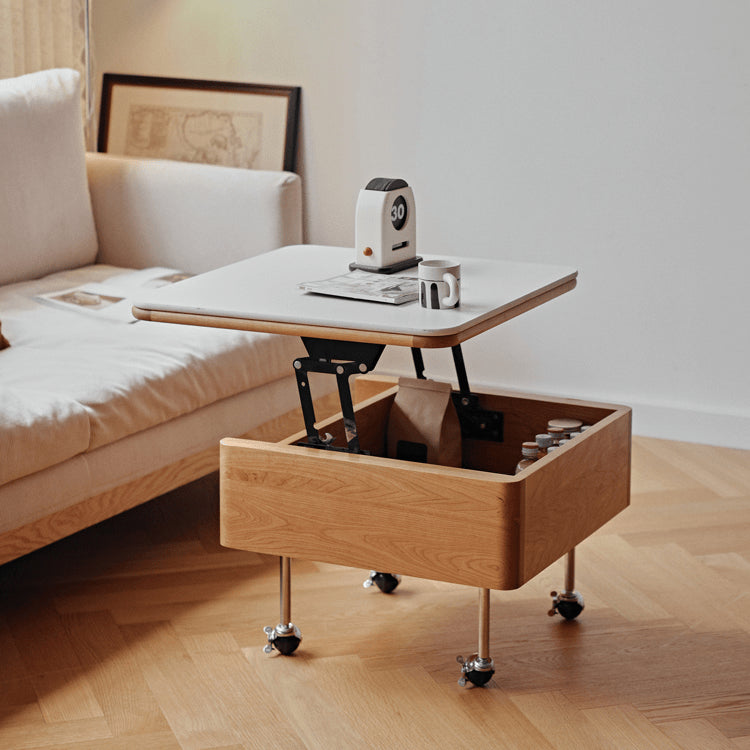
(46, 221)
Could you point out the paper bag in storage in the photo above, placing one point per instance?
(423, 425)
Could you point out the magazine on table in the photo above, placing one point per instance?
(365, 285)
(111, 299)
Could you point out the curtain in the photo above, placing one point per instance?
(40, 34)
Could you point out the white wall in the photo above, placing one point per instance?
(609, 135)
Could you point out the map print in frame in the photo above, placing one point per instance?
(231, 139)
(252, 126)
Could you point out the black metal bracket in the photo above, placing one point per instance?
(416, 355)
(476, 423)
(342, 359)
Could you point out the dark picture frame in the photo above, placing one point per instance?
(249, 125)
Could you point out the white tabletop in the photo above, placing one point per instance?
(261, 293)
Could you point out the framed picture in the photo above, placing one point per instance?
(247, 125)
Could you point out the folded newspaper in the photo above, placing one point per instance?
(365, 285)
(111, 299)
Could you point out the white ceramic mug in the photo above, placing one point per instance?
(439, 284)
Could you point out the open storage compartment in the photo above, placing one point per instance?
(477, 525)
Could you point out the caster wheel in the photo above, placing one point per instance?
(569, 605)
(284, 639)
(386, 582)
(569, 610)
(287, 644)
(475, 670)
(477, 678)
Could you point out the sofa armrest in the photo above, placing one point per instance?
(193, 217)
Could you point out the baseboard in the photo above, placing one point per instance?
(691, 426)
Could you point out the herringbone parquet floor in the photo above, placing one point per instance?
(144, 633)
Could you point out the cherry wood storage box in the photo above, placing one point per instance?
(479, 525)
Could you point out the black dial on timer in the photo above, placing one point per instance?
(398, 212)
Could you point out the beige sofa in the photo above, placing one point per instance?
(99, 412)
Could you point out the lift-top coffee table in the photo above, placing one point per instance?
(345, 502)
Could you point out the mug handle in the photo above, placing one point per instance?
(452, 283)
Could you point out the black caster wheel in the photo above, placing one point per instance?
(567, 604)
(475, 670)
(386, 582)
(282, 638)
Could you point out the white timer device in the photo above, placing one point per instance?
(385, 227)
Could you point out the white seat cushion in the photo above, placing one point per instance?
(126, 377)
(45, 209)
(39, 429)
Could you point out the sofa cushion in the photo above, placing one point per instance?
(45, 209)
(127, 377)
(39, 429)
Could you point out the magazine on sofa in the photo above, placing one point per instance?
(111, 299)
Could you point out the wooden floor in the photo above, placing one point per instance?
(144, 633)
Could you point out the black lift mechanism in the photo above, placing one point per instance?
(342, 359)
(346, 358)
(476, 423)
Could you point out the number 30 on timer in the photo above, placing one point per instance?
(398, 212)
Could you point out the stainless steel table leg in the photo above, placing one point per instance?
(479, 668)
(569, 603)
(285, 590)
(483, 651)
(286, 636)
(570, 571)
